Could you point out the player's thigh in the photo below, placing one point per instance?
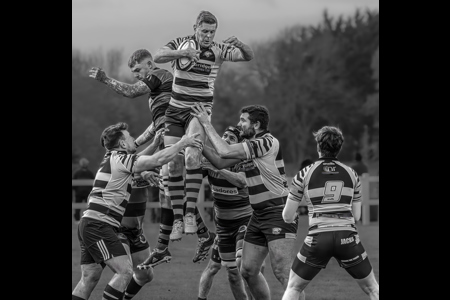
(281, 252)
(120, 264)
(252, 258)
(351, 255)
(296, 282)
(140, 256)
(169, 140)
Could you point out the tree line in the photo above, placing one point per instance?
(307, 76)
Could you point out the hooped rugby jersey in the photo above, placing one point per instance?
(230, 202)
(112, 188)
(329, 187)
(160, 85)
(197, 84)
(264, 171)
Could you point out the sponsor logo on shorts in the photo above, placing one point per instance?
(276, 230)
(347, 240)
(357, 239)
(242, 228)
(224, 190)
(142, 239)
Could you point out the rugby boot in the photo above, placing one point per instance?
(156, 257)
(190, 224)
(177, 231)
(203, 246)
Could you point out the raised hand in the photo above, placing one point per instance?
(233, 41)
(192, 141)
(192, 53)
(97, 74)
(152, 177)
(200, 112)
(159, 135)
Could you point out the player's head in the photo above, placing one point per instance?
(329, 141)
(141, 63)
(205, 28)
(83, 162)
(253, 119)
(232, 135)
(117, 137)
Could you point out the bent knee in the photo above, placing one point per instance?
(143, 276)
(176, 167)
(193, 159)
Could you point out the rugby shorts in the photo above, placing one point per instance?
(178, 119)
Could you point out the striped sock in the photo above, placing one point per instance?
(202, 230)
(194, 180)
(132, 289)
(165, 228)
(111, 293)
(176, 193)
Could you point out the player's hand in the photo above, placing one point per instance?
(97, 74)
(192, 141)
(159, 136)
(200, 113)
(192, 53)
(206, 164)
(152, 177)
(234, 41)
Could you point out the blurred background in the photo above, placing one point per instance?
(316, 63)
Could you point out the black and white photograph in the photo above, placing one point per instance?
(225, 150)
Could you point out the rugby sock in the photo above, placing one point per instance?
(202, 230)
(76, 298)
(176, 193)
(132, 289)
(111, 293)
(165, 228)
(194, 180)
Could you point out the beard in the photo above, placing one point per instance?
(248, 133)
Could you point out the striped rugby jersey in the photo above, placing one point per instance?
(328, 186)
(197, 84)
(112, 188)
(264, 171)
(230, 201)
(160, 84)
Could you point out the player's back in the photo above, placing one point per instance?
(329, 188)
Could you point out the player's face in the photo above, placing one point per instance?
(205, 33)
(248, 130)
(230, 138)
(127, 142)
(142, 69)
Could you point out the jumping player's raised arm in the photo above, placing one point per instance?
(125, 89)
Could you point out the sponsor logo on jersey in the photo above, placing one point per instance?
(247, 166)
(347, 240)
(207, 53)
(224, 190)
(139, 183)
(329, 164)
(329, 170)
(202, 68)
(276, 230)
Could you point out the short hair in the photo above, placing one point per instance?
(112, 135)
(358, 156)
(236, 130)
(83, 162)
(330, 140)
(257, 113)
(207, 17)
(138, 56)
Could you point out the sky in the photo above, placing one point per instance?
(133, 24)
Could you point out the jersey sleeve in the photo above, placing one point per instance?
(153, 82)
(126, 162)
(357, 196)
(297, 187)
(230, 53)
(258, 147)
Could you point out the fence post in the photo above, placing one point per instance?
(365, 199)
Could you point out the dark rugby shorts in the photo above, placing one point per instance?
(268, 225)
(318, 248)
(231, 234)
(178, 119)
(99, 241)
(135, 239)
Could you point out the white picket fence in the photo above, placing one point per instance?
(370, 194)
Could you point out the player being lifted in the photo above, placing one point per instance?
(190, 87)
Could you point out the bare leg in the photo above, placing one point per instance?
(370, 286)
(252, 259)
(90, 275)
(206, 280)
(295, 287)
(281, 258)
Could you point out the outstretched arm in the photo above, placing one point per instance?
(214, 158)
(124, 89)
(159, 138)
(223, 149)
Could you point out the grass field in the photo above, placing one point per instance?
(179, 279)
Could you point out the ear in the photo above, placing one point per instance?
(195, 27)
(257, 124)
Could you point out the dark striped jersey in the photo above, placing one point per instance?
(160, 84)
(197, 84)
(112, 188)
(264, 171)
(328, 187)
(230, 202)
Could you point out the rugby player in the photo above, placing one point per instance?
(332, 191)
(189, 87)
(157, 83)
(98, 231)
(267, 233)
